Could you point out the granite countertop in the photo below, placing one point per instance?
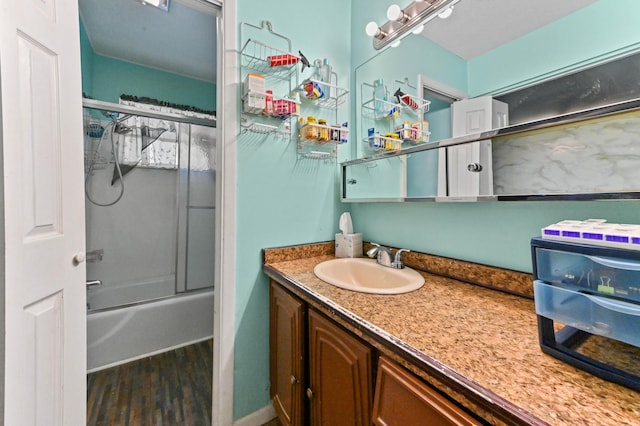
(483, 339)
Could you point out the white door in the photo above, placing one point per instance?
(470, 165)
(41, 134)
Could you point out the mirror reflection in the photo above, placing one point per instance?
(538, 63)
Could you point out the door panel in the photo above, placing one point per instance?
(45, 306)
(41, 139)
(340, 376)
(45, 359)
(286, 341)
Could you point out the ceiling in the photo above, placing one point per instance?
(478, 26)
(181, 41)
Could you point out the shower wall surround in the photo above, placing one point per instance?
(589, 157)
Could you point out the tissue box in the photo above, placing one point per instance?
(348, 245)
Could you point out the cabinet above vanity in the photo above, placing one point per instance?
(586, 155)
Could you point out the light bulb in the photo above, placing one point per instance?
(446, 13)
(418, 29)
(371, 29)
(394, 13)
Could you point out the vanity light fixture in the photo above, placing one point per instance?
(446, 13)
(395, 13)
(403, 22)
(160, 4)
(373, 30)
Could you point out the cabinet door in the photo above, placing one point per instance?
(469, 166)
(340, 375)
(402, 400)
(286, 370)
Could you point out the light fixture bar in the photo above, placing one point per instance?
(417, 13)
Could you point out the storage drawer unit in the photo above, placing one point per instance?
(593, 293)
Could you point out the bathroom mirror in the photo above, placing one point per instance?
(442, 66)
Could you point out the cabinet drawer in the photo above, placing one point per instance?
(593, 314)
(401, 399)
(590, 270)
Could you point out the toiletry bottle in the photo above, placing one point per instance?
(268, 109)
(323, 132)
(311, 129)
(380, 97)
(325, 76)
(406, 99)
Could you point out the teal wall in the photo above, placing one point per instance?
(106, 79)
(86, 60)
(498, 233)
(281, 200)
(597, 32)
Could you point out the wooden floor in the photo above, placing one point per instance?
(173, 388)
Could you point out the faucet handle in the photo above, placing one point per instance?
(397, 261)
(372, 252)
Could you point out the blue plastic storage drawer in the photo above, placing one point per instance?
(594, 314)
(606, 276)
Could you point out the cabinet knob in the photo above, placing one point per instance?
(293, 380)
(309, 393)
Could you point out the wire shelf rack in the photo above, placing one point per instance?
(258, 56)
(326, 95)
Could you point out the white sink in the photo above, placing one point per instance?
(366, 276)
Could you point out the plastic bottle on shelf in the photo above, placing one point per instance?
(323, 132)
(325, 76)
(268, 109)
(295, 104)
(380, 97)
(311, 131)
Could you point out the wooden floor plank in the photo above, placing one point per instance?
(173, 388)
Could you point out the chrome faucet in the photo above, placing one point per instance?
(384, 255)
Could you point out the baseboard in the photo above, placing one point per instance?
(257, 418)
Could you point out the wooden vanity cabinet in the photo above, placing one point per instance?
(401, 399)
(339, 388)
(322, 375)
(286, 355)
(340, 375)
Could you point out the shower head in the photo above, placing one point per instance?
(121, 128)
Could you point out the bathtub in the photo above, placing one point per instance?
(124, 334)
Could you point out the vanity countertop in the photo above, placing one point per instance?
(483, 342)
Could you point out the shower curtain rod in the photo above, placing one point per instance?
(126, 109)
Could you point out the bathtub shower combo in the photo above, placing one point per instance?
(150, 214)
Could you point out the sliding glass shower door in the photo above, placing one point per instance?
(151, 214)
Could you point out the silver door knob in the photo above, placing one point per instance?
(79, 258)
(474, 167)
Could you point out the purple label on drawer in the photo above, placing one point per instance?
(617, 238)
(635, 240)
(572, 234)
(551, 232)
(592, 236)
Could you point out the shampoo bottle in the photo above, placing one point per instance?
(380, 97)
